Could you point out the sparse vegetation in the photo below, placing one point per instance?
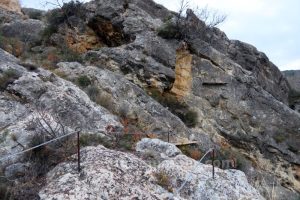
(236, 159)
(7, 77)
(178, 27)
(176, 106)
(169, 30)
(191, 151)
(164, 180)
(84, 81)
(279, 137)
(94, 140)
(11, 45)
(68, 55)
(61, 15)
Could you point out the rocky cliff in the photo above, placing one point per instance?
(123, 70)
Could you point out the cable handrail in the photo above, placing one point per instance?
(188, 175)
(35, 147)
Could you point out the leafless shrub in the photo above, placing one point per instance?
(198, 20)
(48, 125)
(212, 18)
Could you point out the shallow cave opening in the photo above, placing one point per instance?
(110, 34)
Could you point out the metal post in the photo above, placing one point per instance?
(213, 163)
(78, 150)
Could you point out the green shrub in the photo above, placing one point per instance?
(164, 180)
(61, 15)
(83, 81)
(68, 55)
(7, 78)
(176, 106)
(190, 118)
(168, 31)
(279, 137)
(74, 8)
(48, 31)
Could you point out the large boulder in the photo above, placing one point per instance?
(109, 174)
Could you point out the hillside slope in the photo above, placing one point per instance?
(120, 65)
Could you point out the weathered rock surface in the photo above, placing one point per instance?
(8, 16)
(28, 31)
(122, 94)
(156, 146)
(39, 94)
(108, 174)
(241, 97)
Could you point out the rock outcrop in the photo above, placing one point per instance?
(109, 174)
(28, 31)
(183, 73)
(11, 5)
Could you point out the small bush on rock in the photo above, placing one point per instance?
(68, 55)
(84, 81)
(176, 106)
(164, 180)
(279, 137)
(169, 31)
(7, 77)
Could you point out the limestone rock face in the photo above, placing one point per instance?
(109, 174)
(122, 94)
(11, 5)
(36, 94)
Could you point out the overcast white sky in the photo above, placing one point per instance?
(272, 26)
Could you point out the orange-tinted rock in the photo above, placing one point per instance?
(81, 43)
(11, 5)
(183, 73)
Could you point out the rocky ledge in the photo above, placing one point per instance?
(110, 174)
